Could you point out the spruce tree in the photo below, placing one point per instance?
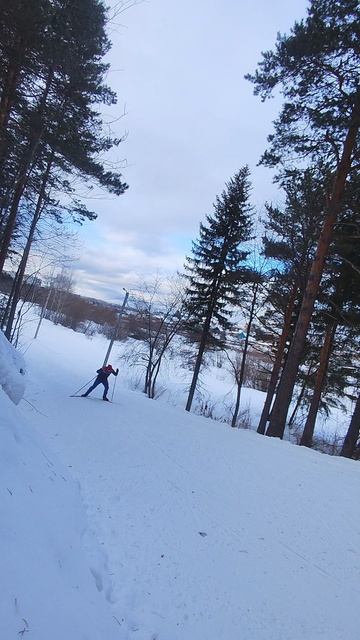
(218, 265)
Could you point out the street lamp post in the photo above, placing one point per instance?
(116, 329)
(43, 311)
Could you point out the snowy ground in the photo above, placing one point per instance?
(207, 533)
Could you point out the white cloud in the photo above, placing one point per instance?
(193, 121)
(122, 259)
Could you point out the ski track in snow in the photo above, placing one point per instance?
(210, 533)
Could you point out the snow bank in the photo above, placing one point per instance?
(12, 370)
(49, 587)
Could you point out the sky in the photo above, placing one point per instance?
(190, 120)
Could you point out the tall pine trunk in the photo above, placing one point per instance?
(308, 433)
(286, 386)
(9, 92)
(278, 362)
(353, 433)
(7, 98)
(24, 171)
(26, 252)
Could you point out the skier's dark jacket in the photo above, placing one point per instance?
(104, 373)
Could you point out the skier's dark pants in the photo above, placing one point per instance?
(96, 383)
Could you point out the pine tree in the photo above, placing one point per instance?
(23, 27)
(59, 119)
(290, 241)
(218, 265)
(315, 66)
(338, 312)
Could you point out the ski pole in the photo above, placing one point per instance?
(112, 395)
(85, 385)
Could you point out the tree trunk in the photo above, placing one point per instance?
(24, 174)
(157, 364)
(204, 337)
(154, 376)
(26, 252)
(9, 90)
(244, 355)
(278, 362)
(149, 366)
(298, 403)
(148, 377)
(7, 99)
(4, 205)
(285, 389)
(43, 311)
(5, 315)
(307, 436)
(353, 433)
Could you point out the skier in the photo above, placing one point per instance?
(102, 378)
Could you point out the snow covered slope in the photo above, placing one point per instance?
(12, 371)
(47, 578)
(210, 533)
